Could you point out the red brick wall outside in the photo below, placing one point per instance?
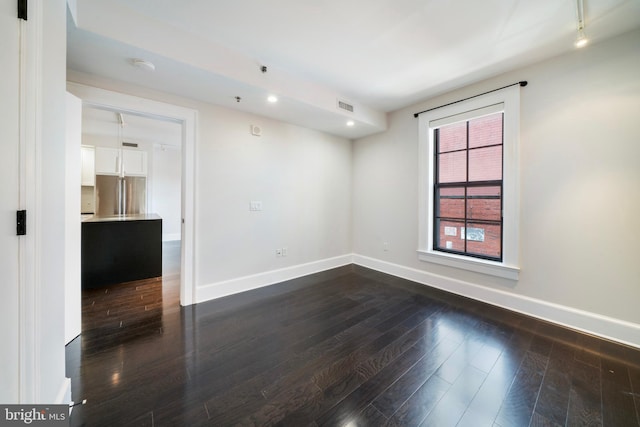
(451, 208)
(483, 203)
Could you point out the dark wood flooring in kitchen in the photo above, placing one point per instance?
(347, 347)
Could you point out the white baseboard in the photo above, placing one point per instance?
(624, 332)
(603, 326)
(247, 283)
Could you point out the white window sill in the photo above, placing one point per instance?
(491, 268)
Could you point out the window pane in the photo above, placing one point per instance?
(484, 203)
(452, 137)
(485, 131)
(452, 167)
(484, 240)
(450, 202)
(449, 235)
(485, 164)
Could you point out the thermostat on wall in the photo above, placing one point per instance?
(256, 130)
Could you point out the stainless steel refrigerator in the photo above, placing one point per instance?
(117, 195)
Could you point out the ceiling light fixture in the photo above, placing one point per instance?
(272, 99)
(351, 123)
(581, 39)
(144, 65)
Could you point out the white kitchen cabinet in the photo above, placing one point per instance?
(107, 161)
(88, 174)
(134, 162)
(122, 162)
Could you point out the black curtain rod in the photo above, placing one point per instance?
(522, 84)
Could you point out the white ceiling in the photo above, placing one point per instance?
(378, 55)
(105, 123)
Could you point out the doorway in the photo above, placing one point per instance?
(186, 120)
(127, 290)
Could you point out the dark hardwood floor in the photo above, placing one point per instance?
(346, 347)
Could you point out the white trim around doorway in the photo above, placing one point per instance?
(105, 99)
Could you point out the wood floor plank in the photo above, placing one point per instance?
(487, 402)
(391, 399)
(297, 368)
(584, 407)
(421, 403)
(341, 346)
(371, 417)
(352, 371)
(553, 400)
(357, 400)
(517, 407)
(451, 408)
(618, 406)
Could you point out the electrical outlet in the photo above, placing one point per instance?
(284, 251)
(385, 246)
(278, 252)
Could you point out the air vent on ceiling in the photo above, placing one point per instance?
(129, 144)
(345, 106)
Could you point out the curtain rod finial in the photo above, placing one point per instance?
(523, 83)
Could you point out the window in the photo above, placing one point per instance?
(468, 187)
(469, 207)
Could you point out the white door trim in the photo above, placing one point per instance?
(30, 174)
(101, 98)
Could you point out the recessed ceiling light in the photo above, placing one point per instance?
(582, 40)
(144, 65)
(272, 99)
(351, 123)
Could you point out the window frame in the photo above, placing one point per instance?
(466, 185)
(508, 101)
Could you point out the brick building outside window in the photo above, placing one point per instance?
(468, 187)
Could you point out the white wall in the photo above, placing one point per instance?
(72, 279)
(580, 196)
(165, 180)
(101, 141)
(50, 217)
(10, 336)
(35, 320)
(301, 176)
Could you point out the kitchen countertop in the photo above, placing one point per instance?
(116, 218)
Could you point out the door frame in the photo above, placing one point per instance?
(188, 118)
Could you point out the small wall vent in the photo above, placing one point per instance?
(345, 106)
(129, 144)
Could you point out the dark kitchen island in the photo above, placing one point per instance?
(121, 248)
